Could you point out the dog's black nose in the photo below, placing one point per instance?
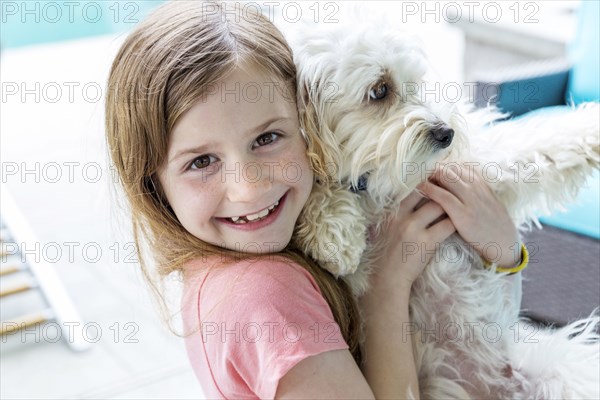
(442, 136)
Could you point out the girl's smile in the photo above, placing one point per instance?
(237, 174)
(257, 220)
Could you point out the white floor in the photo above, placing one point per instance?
(58, 134)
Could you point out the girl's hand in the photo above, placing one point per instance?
(478, 216)
(409, 239)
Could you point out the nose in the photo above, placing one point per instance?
(442, 136)
(248, 185)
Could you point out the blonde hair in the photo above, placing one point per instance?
(164, 66)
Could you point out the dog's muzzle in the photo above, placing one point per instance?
(442, 136)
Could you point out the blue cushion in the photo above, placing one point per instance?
(584, 53)
(523, 95)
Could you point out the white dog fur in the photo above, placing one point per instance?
(469, 340)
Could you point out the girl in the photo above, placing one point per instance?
(203, 130)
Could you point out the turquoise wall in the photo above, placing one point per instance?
(29, 22)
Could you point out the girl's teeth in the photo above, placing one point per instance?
(254, 217)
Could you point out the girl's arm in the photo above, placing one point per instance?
(329, 375)
(476, 214)
(388, 362)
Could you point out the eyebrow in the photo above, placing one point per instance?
(201, 148)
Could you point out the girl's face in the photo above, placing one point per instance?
(237, 174)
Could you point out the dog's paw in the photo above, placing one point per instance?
(332, 229)
(344, 258)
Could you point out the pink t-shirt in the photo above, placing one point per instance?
(260, 317)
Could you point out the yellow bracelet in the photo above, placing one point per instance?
(513, 270)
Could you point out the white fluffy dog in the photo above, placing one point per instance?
(360, 96)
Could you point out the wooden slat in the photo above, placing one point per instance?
(21, 287)
(22, 322)
(9, 269)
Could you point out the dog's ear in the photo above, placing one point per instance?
(314, 59)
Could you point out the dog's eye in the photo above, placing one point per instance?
(378, 91)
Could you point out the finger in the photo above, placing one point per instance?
(411, 201)
(429, 214)
(441, 230)
(444, 197)
(468, 186)
(451, 179)
(420, 204)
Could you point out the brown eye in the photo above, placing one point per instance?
(266, 139)
(202, 162)
(379, 91)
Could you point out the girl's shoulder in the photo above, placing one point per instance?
(264, 278)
